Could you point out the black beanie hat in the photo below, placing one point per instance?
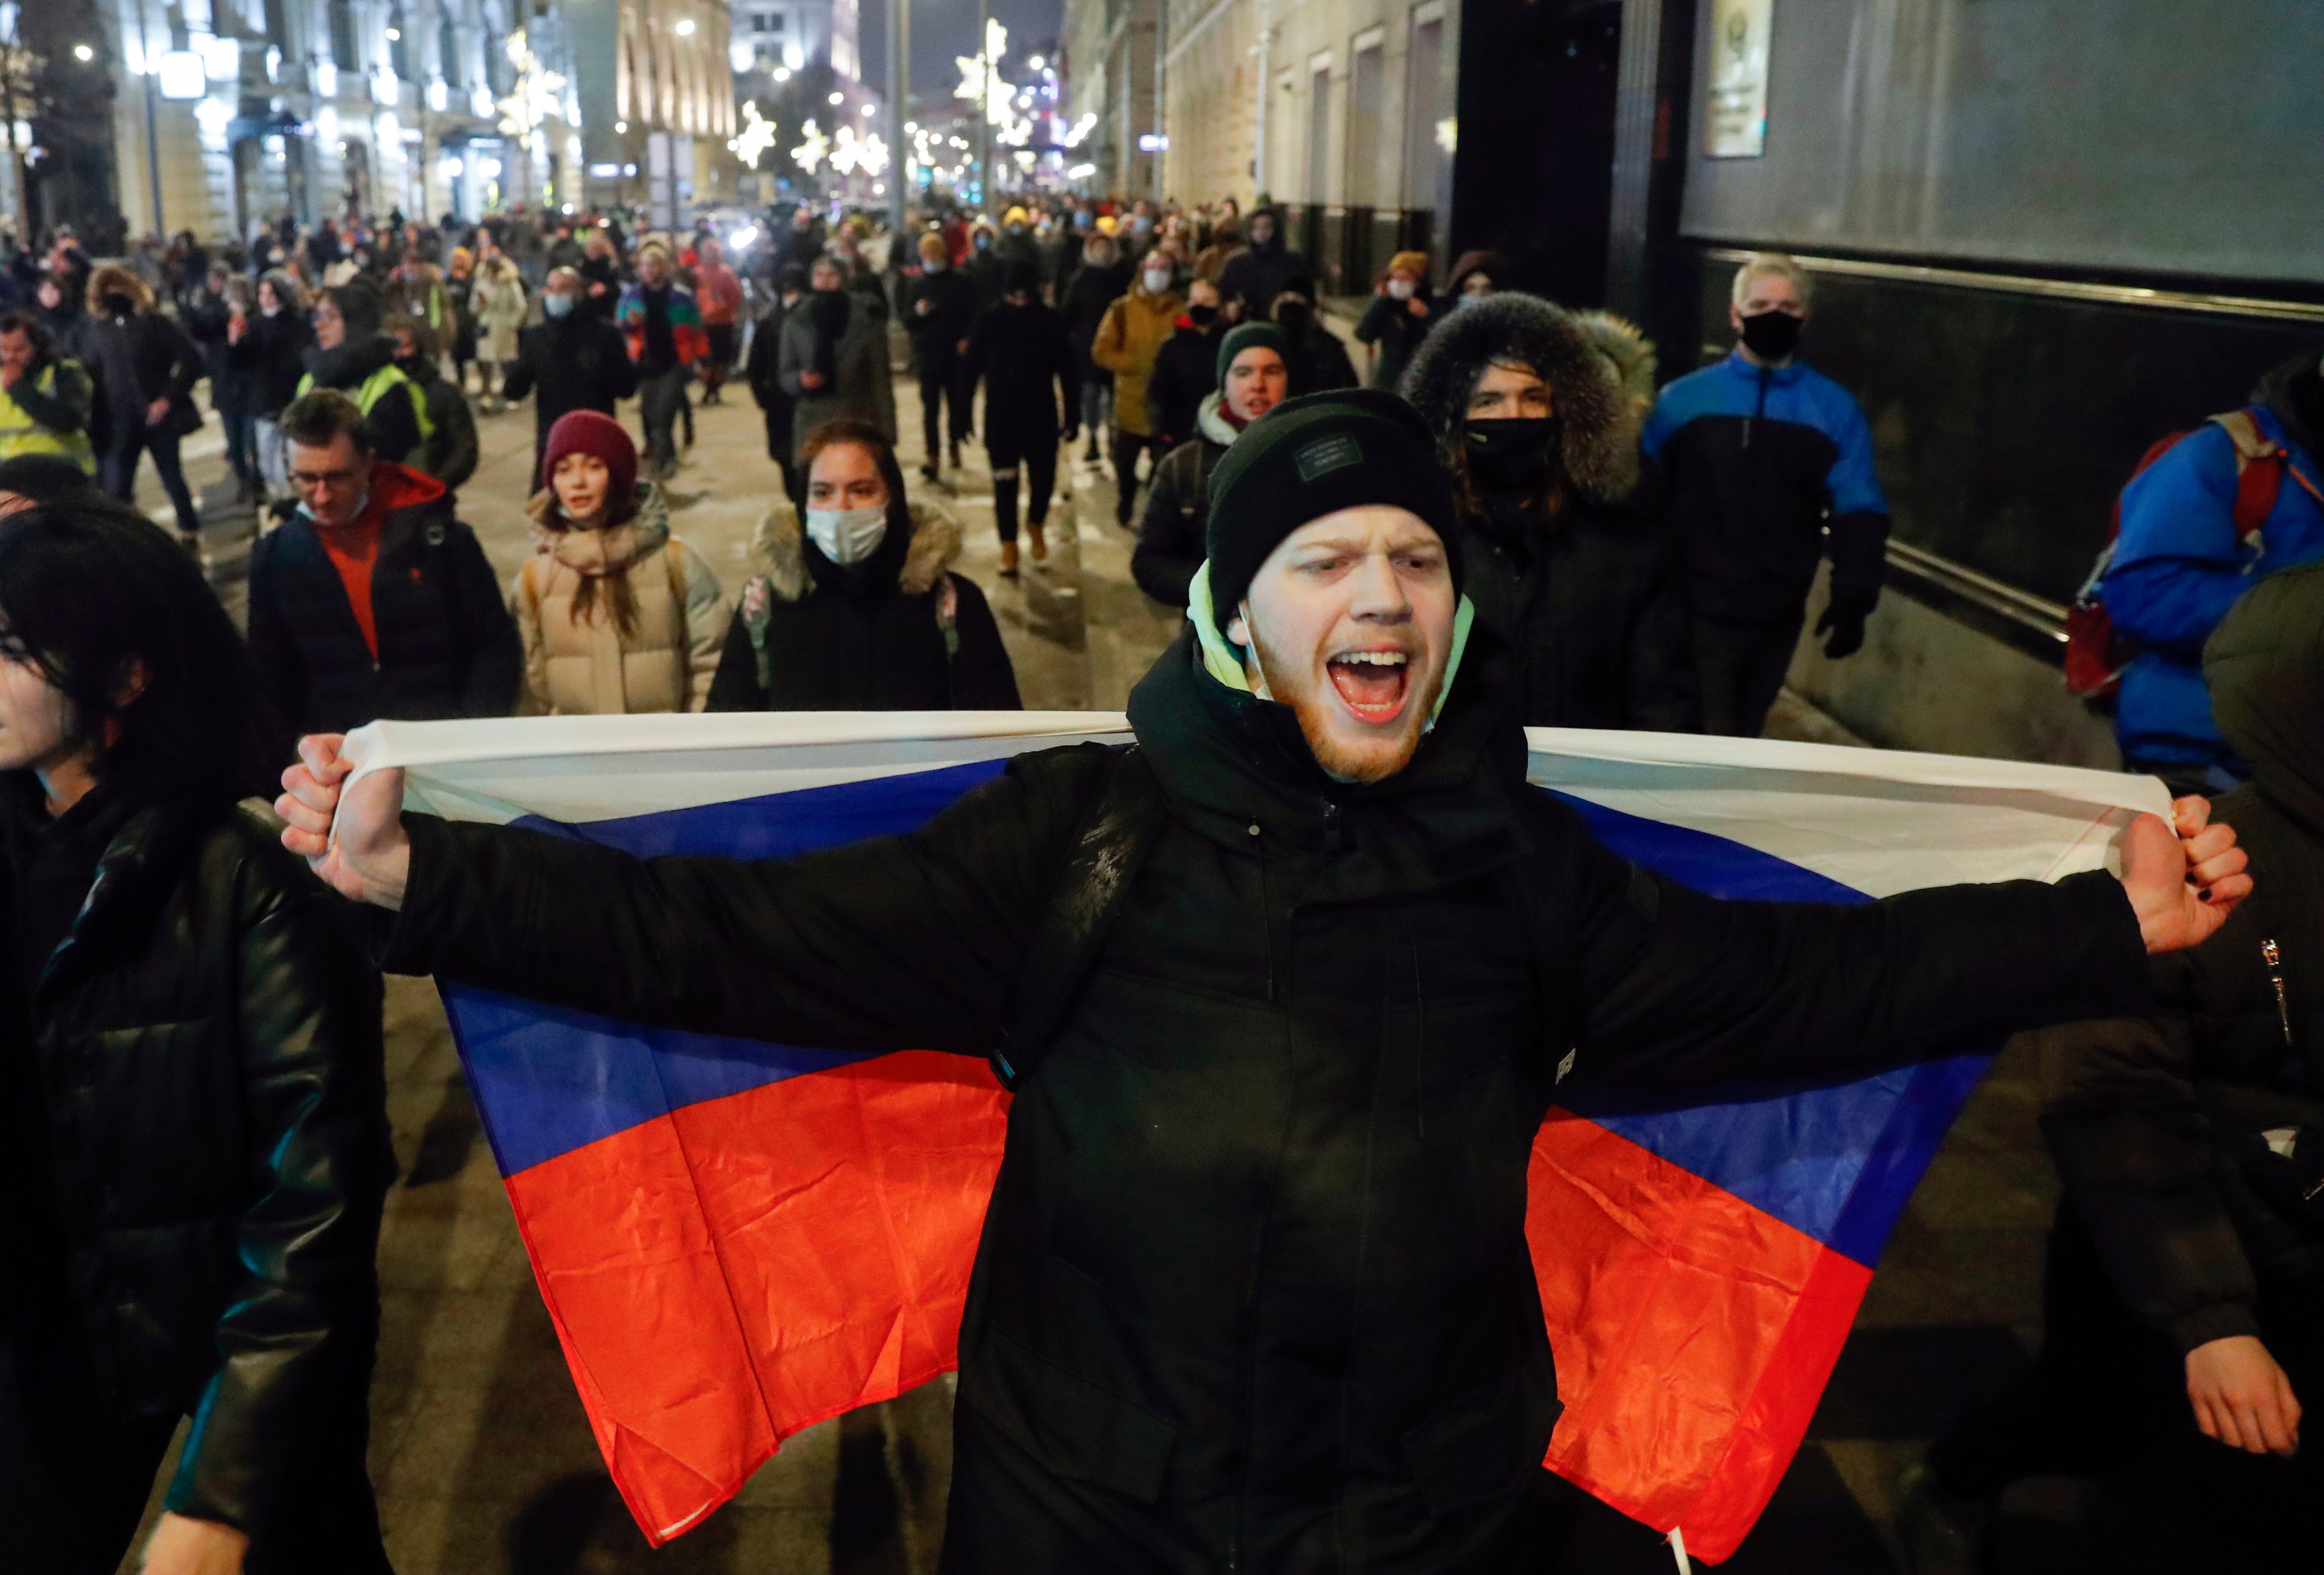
(1243, 337)
(1313, 456)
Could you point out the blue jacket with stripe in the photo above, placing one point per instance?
(2178, 566)
(1760, 461)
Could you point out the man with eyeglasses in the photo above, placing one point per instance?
(371, 600)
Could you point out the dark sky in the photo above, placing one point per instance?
(943, 28)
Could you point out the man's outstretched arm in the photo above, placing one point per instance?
(899, 942)
(1678, 985)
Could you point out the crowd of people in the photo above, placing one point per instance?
(1632, 556)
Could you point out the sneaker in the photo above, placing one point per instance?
(1941, 1535)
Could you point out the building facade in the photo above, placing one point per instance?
(1110, 55)
(228, 114)
(656, 91)
(789, 33)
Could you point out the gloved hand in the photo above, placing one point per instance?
(1844, 622)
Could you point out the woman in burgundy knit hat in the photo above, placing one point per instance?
(617, 615)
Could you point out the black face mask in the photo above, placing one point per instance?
(1772, 336)
(1201, 316)
(119, 305)
(1510, 455)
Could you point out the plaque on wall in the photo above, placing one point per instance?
(1735, 122)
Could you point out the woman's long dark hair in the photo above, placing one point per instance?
(91, 590)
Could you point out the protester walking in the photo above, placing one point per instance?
(1265, 267)
(1570, 561)
(46, 399)
(616, 615)
(662, 329)
(371, 600)
(448, 452)
(939, 307)
(1770, 470)
(858, 608)
(2194, 541)
(1253, 380)
(1019, 352)
(2184, 1289)
(198, 1143)
(575, 359)
(352, 355)
(719, 292)
(832, 359)
(276, 347)
(415, 297)
(499, 301)
(460, 293)
(1129, 338)
(1398, 318)
(762, 371)
(1100, 280)
(1186, 367)
(145, 369)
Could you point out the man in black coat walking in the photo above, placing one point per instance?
(1283, 993)
(1570, 561)
(371, 600)
(145, 370)
(1186, 367)
(939, 306)
(1253, 376)
(1018, 350)
(574, 357)
(1102, 279)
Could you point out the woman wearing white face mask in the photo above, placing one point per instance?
(858, 608)
(1132, 335)
(1399, 318)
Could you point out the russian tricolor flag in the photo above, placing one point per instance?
(738, 1240)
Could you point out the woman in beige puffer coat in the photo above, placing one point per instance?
(617, 616)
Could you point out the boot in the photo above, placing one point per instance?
(1008, 560)
(955, 453)
(1040, 542)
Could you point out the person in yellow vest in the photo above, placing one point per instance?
(44, 397)
(351, 354)
(617, 616)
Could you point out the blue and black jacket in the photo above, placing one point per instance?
(1760, 460)
(2180, 565)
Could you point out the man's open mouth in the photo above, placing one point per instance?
(1372, 684)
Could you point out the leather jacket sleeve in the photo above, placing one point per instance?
(307, 1022)
(899, 943)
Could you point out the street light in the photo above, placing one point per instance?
(83, 53)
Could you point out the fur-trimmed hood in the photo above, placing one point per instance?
(1210, 420)
(1597, 426)
(114, 278)
(1632, 354)
(778, 551)
(596, 553)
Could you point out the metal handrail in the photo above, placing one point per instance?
(2038, 614)
(2240, 305)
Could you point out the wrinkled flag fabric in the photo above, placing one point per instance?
(737, 1240)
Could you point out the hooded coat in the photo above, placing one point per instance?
(591, 667)
(1254, 1290)
(1592, 598)
(1021, 355)
(812, 635)
(857, 381)
(1130, 336)
(2156, 1122)
(1172, 534)
(1257, 273)
(1186, 369)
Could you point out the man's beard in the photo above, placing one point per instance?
(1378, 758)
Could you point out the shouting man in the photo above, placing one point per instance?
(1283, 992)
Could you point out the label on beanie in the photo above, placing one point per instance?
(1326, 454)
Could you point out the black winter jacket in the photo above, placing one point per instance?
(446, 644)
(809, 635)
(1258, 275)
(1186, 368)
(2160, 1125)
(577, 363)
(1390, 324)
(1594, 607)
(275, 347)
(937, 333)
(208, 1039)
(1021, 354)
(1174, 533)
(1254, 1290)
(136, 360)
(1083, 303)
(449, 452)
